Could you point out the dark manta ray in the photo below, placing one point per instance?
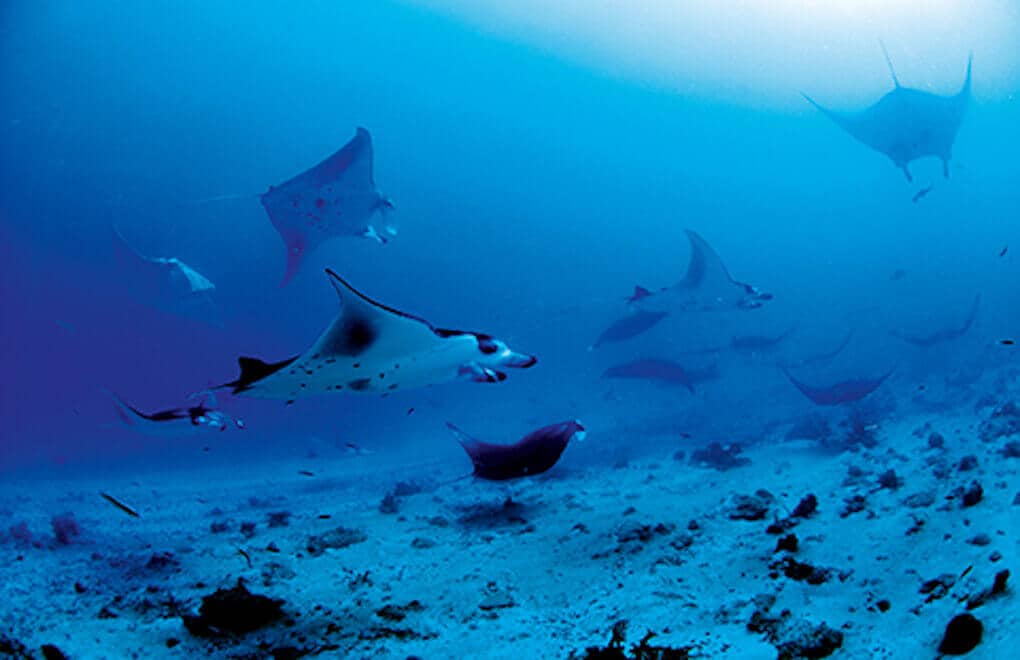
(337, 197)
(533, 454)
(941, 336)
(663, 371)
(846, 391)
(372, 348)
(706, 286)
(176, 422)
(907, 124)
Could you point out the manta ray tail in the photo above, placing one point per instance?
(254, 370)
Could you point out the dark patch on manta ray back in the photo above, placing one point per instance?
(354, 337)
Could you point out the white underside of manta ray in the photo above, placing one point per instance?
(374, 349)
(907, 124)
(166, 282)
(706, 286)
(335, 198)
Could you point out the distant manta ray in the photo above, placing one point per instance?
(335, 198)
(533, 454)
(942, 336)
(846, 391)
(165, 282)
(706, 286)
(176, 422)
(375, 349)
(906, 123)
(663, 371)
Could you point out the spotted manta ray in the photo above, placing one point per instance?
(906, 123)
(707, 286)
(371, 348)
(335, 198)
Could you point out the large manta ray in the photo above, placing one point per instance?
(706, 286)
(372, 348)
(906, 123)
(337, 197)
(165, 282)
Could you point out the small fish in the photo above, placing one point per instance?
(120, 505)
(898, 275)
(1006, 342)
(1003, 251)
(410, 411)
(922, 193)
(307, 473)
(244, 554)
(324, 516)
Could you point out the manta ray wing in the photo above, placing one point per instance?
(372, 348)
(337, 197)
(907, 124)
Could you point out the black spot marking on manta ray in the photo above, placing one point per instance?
(360, 384)
(354, 338)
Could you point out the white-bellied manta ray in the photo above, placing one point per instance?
(906, 123)
(374, 349)
(335, 198)
(707, 286)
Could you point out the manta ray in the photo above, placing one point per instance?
(335, 198)
(942, 336)
(165, 282)
(176, 422)
(707, 286)
(846, 391)
(374, 349)
(906, 123)
(663, 371)
(533, 454)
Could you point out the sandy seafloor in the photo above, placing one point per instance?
(583, 548)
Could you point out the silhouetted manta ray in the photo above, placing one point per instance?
(706, 286)
(941, 336)
(337, 197)
(176, 422)
(372, 348)
(906, 123)
(165, 282)
(533, 454)
(846, 391)
(663, 371)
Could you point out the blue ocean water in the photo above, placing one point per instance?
(543, 161)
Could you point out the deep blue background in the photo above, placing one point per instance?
(532, 193)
